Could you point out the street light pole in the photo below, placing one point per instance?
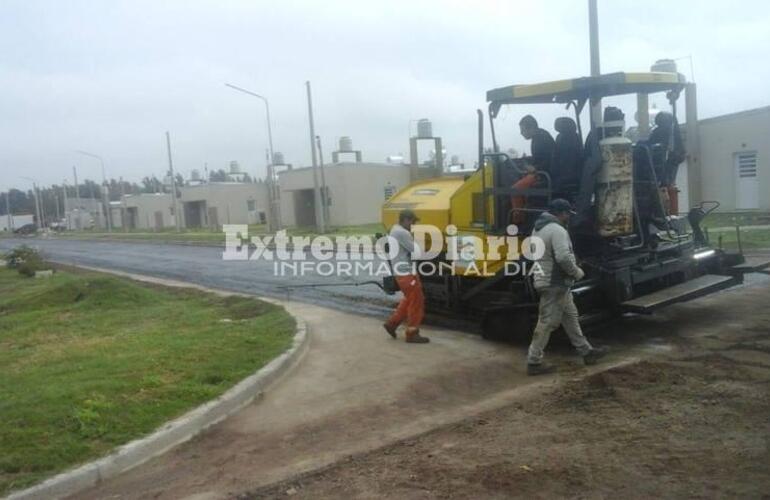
(320, 219)
(274, 217)
(105, 191)
(267, 113)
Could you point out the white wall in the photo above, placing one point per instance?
(356, 190)
(146, 205)
(720, 139)
(231, 200)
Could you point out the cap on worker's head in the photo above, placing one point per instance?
(407, 214)
(560, 206)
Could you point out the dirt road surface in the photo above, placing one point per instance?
(689, 422)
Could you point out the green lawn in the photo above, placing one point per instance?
(751, 239)
(725, 219)
(89, 362)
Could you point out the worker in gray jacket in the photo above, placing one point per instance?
(559, 272)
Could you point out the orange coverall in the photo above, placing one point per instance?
(519, 201)
(412, 305)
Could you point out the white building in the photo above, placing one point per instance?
(146, 211)
(355, 192)
(84, 213)
(216, 203)
(735, 160)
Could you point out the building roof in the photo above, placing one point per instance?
(737, 114)
(363, 164)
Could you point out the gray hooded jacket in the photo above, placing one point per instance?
(558, 263)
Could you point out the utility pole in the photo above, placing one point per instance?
(319, 213)
(123, 206)
(64, 198)
(173, 182)
(324, 193)
(77, 187)
(41, 207)
(593, 28)
(37, 204)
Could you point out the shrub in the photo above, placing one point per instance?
(25, 260)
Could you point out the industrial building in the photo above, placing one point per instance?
(735, 160)
(354, 191)
(147, 211)
(84, 213)
(213, 204)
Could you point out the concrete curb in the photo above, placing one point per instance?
(176, 431)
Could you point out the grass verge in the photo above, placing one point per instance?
(89, 362)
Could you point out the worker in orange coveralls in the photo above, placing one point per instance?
(412, 305)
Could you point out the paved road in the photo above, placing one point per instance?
(205, 266)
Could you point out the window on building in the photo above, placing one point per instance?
(252, 205)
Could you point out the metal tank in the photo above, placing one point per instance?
(424, 129)
(346, 144)
(664, 66)
(615, 188)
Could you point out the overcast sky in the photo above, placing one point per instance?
(111, 77)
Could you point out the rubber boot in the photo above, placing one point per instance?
(595, 354)
(390, 329)
(413, 336)
(540, 369)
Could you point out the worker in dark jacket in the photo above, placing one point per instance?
(567, 161)
(668, 138)
(559, 272)
(542, 147)
(542, 144)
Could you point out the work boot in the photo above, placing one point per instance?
(413, 336)
(540, 369)
(390, 329)
(595, 354)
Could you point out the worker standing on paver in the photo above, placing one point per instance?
(412, 305)
(559, 273)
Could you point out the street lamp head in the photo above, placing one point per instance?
(239, 89)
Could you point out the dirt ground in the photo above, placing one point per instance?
(691, 421)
